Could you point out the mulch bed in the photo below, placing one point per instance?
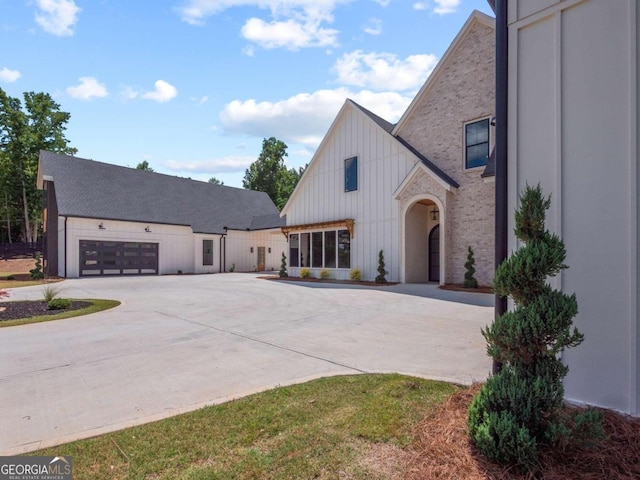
(26, 309)
(460, 288)
(320, 280)
(444, 450)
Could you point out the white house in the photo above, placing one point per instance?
(103, 219)
(573, 126)
(419, 190)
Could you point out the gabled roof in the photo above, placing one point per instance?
(490, 169)
(90, 189)
(387, 127)
(475, 16)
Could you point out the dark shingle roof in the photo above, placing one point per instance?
(490, 169)
(90, 189)
(387, 126)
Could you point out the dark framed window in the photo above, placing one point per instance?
(351, 174)
(305, 249)
(316, 249)
(476, 142)
(294, 249)
(330, 249)
(207, 252)
(344, 249)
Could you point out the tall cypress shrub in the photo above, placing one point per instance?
(521, 407)
(470, 271)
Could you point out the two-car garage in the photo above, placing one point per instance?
(118, 258)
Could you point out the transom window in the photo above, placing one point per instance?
(476, 142)
(351, 174)
(327, 249)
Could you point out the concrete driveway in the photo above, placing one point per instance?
(178, 343)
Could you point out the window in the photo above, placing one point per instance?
(305, 249)
(476, 142)
(330, 249)
(207, 252)
(351, 174)
(344, 249)
(294, 249)
(316, 241)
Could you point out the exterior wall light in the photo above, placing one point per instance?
(147, 229)
(434, 213)
(101, 226)
(251, 249)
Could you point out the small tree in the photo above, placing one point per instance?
(283, 266)
(381, 271)
(470, 271)
(522, 406)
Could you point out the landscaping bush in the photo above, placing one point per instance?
(233, 268)
(283, 267)
(305, 273)
(355, 275)
(381, 278)
(470, 271)
(325, 274)
(59, 304)
(521, 407)
(49, 292)
(37, 273)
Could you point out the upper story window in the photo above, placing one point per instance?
(351, 174)
(476, 143)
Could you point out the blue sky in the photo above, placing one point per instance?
(193, 86)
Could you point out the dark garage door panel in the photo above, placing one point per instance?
(101, 257)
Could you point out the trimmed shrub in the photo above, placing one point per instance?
(305, 273)
(36, 272)
(355, 275)
(59, 304)
(283, 267)
(381, 278)
(470, 271)
(325, 274)
(233, 268)
(521, 407)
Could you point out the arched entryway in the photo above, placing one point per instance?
(434, 254)
(422, 241)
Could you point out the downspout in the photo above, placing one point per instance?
(223, 251)
(502, 108)
(65, 247)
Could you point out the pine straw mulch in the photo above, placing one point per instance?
(444, 450)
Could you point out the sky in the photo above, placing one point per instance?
(194, 86)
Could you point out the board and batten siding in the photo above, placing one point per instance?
(175, 243)
(382, 166)
(239, 244)
(574, 128)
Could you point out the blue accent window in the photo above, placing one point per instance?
(476, 141)
(351, 174)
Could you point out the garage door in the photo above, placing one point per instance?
(118, 258)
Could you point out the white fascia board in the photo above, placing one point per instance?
(421, 166)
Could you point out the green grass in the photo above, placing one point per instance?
(321, 429)
(4, 283)
(96, 306)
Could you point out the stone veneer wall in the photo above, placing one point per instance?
(462, 92)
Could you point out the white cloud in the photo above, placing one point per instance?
(163, 92)
(291, 34)
(57, 16)
(373, 26)
(215, 165)
(9, 76)
(420, 6)
(88, 88)
(249, 50)
(383, 71)
(305, 118)
(446, 6)
(128, 93)
(294, 24)
(383, 3)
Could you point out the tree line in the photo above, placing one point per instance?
(35, 122)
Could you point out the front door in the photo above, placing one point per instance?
(434, 254)
(261, 259)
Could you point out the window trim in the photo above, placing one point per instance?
(486, 118)
(308, 263)
(346, 190)
(204, 254)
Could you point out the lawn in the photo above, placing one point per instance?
(353, 427)
(95, 305)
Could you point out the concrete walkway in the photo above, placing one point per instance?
(178, 343)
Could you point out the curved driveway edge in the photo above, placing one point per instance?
(177, 343)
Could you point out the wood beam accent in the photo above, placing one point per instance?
(348, 223)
